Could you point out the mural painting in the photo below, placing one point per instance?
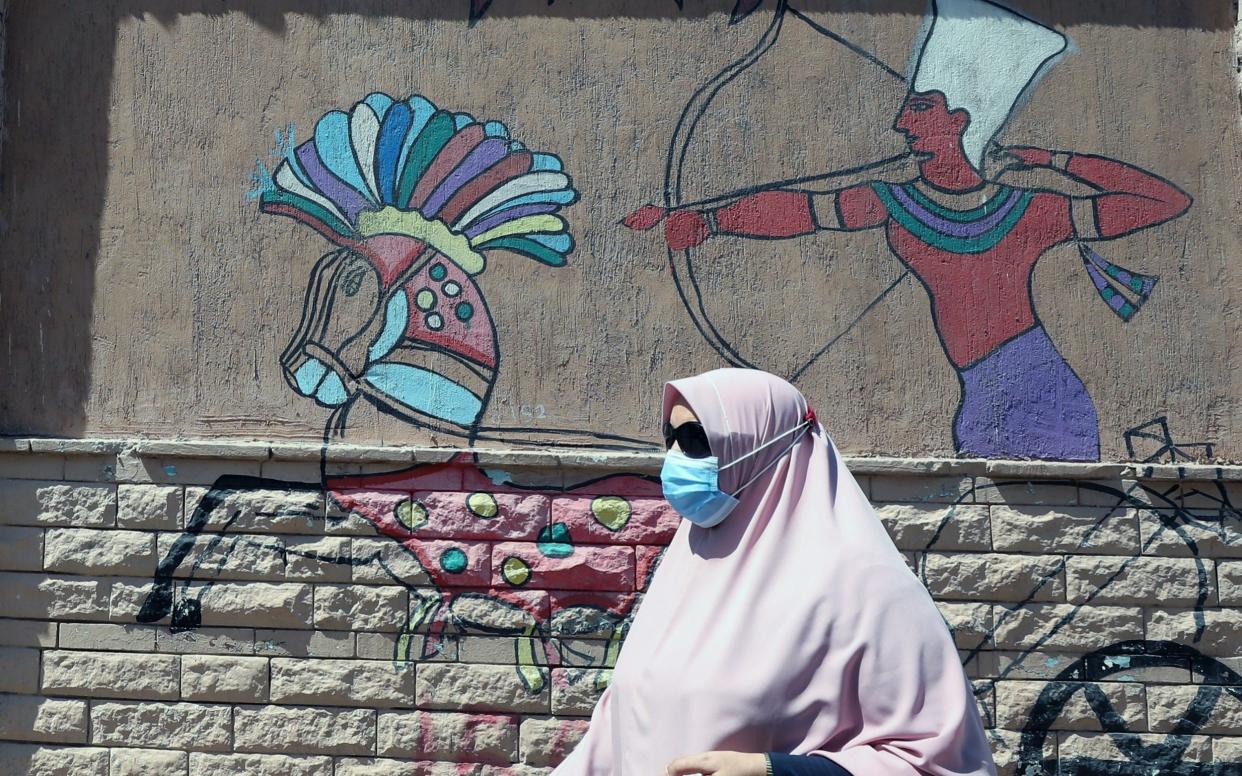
(494, 559)
(518, 585)
(741, 9)
(1219, 684)
(417, 200)
(969, 238)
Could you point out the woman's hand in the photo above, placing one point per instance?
(720, 764)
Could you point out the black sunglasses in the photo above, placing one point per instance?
(690, 437)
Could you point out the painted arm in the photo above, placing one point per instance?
(1130, 198)
(840, 201)
(774, 214)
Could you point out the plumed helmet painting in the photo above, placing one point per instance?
(417, 198)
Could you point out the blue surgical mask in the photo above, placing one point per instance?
(692, 485)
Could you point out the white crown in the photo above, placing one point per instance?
(983, 57)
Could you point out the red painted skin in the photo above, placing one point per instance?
(979, 301)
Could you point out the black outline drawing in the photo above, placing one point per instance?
(177, 594)
(1142, 759)
(691, 292)
(1166, 506)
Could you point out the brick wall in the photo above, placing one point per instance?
(215, 609)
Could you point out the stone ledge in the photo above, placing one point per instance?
(603, 460)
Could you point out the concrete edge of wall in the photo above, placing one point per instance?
(581, 459)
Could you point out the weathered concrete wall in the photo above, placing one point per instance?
(167, 611)
(145, 292)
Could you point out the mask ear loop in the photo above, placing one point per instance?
(807, 424)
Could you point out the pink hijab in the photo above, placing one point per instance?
(793, 626)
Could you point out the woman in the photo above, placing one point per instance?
(782, 620)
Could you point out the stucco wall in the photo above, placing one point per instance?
(144, 291)
(270, 606)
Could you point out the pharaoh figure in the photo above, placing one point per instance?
(972, 241)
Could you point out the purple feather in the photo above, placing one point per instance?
(350, 202)
(483, 156)
(505, 216)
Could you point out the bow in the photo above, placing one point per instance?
(696, 107)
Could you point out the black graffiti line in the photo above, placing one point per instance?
(183, 616)
(854, 47)
(1131, 745)
(585, 656)
(1102, 663)
(990, 633)
(1123, 497)
(1069, 616)
(283, 550)
(676, 158)
(159, 601)
(628, 443)
(1186, 518)
(1062, 622)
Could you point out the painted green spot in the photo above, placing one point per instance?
(425, 299)
(554, 541)
(482, 505)
(438, 272)
(464, 311)
(411, 514)
(453, 561)
(515, 571)
(612, 512)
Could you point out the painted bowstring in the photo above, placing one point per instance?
(675, 162)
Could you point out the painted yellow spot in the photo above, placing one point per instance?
(515, 571)
(482, 505)
(603, 679)
(425, 299)
(612, 512)
(528, 669)
(412, 514)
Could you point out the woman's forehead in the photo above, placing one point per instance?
(680, 412)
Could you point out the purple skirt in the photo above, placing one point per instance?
(1024, 401)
